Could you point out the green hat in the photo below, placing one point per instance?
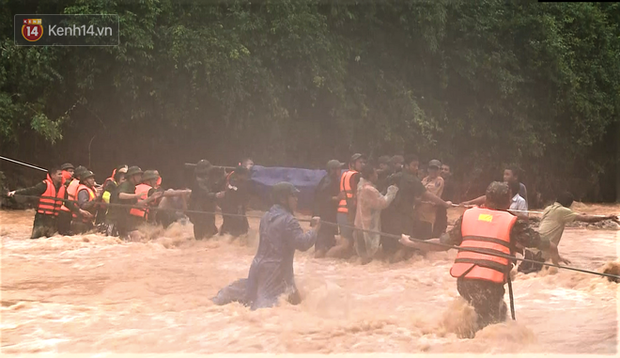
(150, 175)
(86, 174)
(282, 190)
(67, 166)
(334, 164)
(133, 170)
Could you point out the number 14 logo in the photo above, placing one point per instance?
(32, 29)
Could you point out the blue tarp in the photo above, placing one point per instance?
(305, 180)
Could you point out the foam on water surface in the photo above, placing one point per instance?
(93, 293)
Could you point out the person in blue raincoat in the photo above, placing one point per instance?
(271, 274)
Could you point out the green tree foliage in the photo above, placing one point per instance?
(293, 82)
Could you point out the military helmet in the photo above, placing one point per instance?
(133, 170)
(150, 175)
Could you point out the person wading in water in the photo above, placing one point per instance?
(481, 277)
(271, 274)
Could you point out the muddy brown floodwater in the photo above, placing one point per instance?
(92, 293)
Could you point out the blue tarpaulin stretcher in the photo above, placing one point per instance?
(305, 180)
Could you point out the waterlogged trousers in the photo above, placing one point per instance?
(486, 297)
(44, 226)
(204, 226)
(64, 223)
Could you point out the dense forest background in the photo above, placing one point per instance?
(477, 84)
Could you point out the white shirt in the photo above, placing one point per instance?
(518, 203)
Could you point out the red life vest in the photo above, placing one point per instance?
(48, 206)
(66, 176)
(345, 186)
(91, 197)
(71, 193)
(489, 231)
(143, 190)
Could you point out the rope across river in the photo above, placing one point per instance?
(382, 234)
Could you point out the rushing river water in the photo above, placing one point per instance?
(91, 293)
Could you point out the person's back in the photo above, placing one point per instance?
(409, 188)
(199, 198)
(323, 203)
(370, 205)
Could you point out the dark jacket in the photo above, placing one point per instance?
(235, 202)
(202, 197)
(324, 206)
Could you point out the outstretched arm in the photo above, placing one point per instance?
(36, 190)
(427, 245)
(172, 192)
(454, 238)
(595, 219)
(378, 201)
(301, 241)
(427, 195)
(478, 201)
(127, 196)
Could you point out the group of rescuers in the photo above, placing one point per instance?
(362, 200)
(70, 202)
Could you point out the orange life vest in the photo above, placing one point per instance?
(108, 180)
(143, 190)
(50, 206)
(66, 176)
(71, 193)
(489, 231)
(345, 186)
(91, 197)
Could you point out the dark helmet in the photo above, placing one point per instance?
(282, 190)
(79, 171)
(67, 166)
(202, 167)
(86, 174)
(133, 170)
(150, 175)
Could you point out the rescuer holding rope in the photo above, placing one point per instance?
(481, 277)
(47, 208)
